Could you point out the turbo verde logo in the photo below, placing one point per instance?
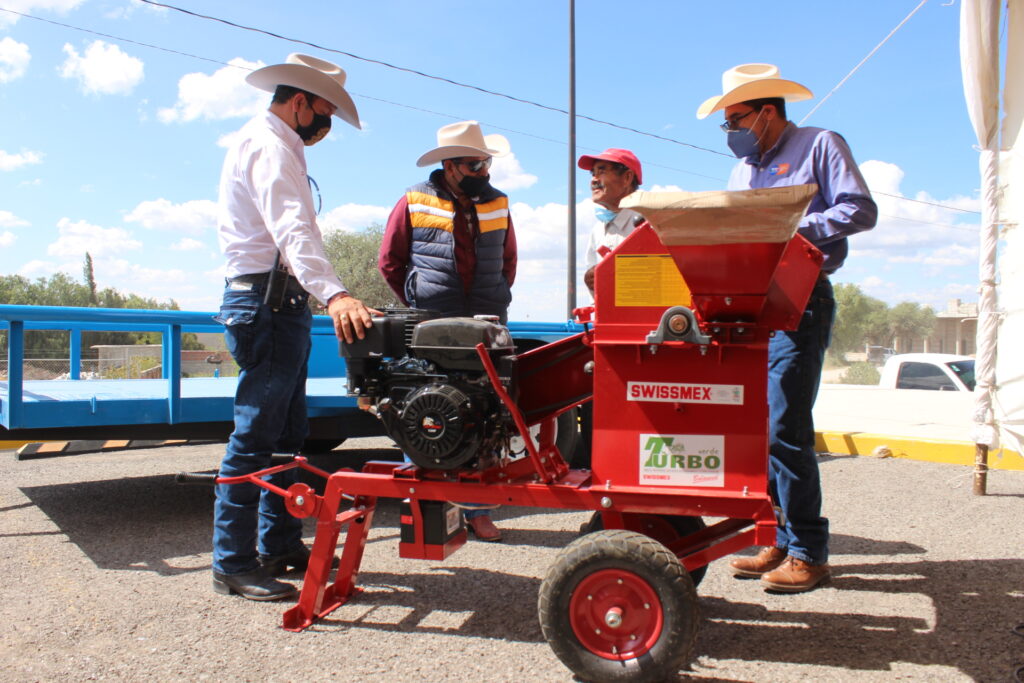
(682, 460)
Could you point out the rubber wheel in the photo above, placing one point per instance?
(567, 436)
(665, 529)
(317, 446)
(618, 606)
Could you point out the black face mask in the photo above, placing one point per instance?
(474, 186)
(316, 131)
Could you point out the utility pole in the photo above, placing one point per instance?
(571, 289)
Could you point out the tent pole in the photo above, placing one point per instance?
(980, 469)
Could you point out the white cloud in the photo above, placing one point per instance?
(14, 58)
(32, 6)
(353, 217)
(9, 220)
(224, 94)
(37, 268)
(507, 174)
(104, 69)
(10, 162)
(187, 244)
(193, 217)
(7, 238)
(79, 237)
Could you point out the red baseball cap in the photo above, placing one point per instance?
(618, 156)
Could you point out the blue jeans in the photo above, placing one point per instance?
(272, 352)
(795, 360)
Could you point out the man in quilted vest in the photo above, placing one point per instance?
(449, 245)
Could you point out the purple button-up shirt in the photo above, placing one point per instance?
(843, 205)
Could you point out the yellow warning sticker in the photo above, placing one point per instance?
(649, 280)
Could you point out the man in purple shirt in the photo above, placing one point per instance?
(774, 152)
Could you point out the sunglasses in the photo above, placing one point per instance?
(475, 165)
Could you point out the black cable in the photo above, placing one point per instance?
(443, 79)
(398, 104)
(125, 40)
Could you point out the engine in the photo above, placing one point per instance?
(423, 378)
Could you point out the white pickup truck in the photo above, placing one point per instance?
(932, 371)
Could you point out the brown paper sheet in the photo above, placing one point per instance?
(769, 214)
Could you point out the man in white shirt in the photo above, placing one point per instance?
(615, 173)
(268, 232)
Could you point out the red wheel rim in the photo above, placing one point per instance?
(616, 614)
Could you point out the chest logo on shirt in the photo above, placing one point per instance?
(779, 169)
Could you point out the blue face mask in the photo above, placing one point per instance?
(743, 142)
(604, 214)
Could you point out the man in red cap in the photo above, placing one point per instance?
(614, 173)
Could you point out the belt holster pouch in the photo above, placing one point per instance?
(277, 287)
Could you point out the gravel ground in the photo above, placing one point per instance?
(106, 577)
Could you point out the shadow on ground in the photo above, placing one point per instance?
(976, 603)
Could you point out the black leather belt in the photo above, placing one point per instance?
(260, 280)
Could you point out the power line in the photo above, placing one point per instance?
(429, 111)
(859, 65)
(442, 79)
(125, 40)
(922, 201)
(963, 228)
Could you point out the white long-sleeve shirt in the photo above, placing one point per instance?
(609, 234)
(266, 206)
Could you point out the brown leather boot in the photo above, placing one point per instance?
(795, 576)
(768, 559)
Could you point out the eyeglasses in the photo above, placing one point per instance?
(475, 165)
(732, 125)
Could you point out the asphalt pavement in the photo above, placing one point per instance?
(107, 577)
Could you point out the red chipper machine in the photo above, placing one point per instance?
(674, 357)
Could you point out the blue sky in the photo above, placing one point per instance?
(115, 148)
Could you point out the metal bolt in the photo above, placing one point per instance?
(647, 605)
(632, 636)
(590, 597)
(412, 490)
(679, 323)
(300, 500)
(613, 617)
(654, 349)
(618, 581)
(597, 631)
(746, 491)
(606, 502)
(728, 301)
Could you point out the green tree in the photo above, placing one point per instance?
(909, 321)
(90, 279)
(354, 257)
(856, 315)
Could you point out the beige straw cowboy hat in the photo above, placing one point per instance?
(752, 82)
(464, 139)
(313, 75)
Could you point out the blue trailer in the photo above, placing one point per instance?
(173, 406)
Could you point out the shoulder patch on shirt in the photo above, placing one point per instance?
(779, 169)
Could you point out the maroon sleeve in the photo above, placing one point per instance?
(393, 261)
(511, 254)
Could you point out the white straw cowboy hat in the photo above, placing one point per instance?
(317, 76)
(752, 82)
(464, 139)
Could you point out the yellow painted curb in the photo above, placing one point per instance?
(4, 445)
(931, 450)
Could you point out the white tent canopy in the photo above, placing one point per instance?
(999, 405)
